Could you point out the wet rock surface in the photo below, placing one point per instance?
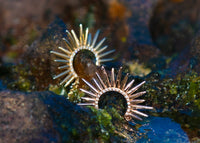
(155, 40)
(24, 118)
(163, 129)
(46, 117)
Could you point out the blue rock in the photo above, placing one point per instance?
(163, 130)
(2, 86)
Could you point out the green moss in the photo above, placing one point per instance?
(20, 79)
(178, 93)
(197, 103)
(75, 94)
(74, 132)
(60, 90)
(104, 121)
(138, 69)
(12, 55)
(72, 93)
(110, 123)
(173, 89)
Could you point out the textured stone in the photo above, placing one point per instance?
(47, 117)
(173, 24)
(38, 58)
(25, 118)
(161, 129)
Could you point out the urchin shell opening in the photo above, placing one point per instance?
(113, 99)
(82, 55)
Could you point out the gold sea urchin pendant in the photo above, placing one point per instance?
(116, 85)
(73, 46)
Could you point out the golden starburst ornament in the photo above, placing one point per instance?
(75, 45)
(115, 84)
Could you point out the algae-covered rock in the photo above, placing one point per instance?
(177, 98)
(37, 57)
(180, 92)
(46, 117)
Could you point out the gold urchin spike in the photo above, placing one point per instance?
(73, 46)
(115, 84)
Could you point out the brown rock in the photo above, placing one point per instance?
(25, 118)
(173, 24)
(49, 118)
(38, 58)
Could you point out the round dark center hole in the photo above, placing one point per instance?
(81, 59)
(112, 99)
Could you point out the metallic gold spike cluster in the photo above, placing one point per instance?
(73, 46)
(117, 85)
(101, 86)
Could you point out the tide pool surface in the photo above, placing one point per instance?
(162, 130)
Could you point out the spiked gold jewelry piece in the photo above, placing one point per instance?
(116, 85)
(73, 46)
